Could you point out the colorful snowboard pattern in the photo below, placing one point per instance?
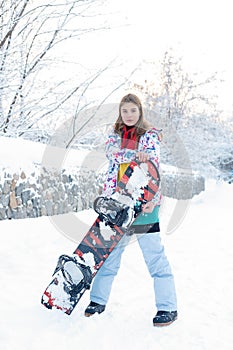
(74, 274)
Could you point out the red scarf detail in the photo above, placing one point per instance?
(129, 138)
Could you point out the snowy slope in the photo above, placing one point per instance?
(200, 252)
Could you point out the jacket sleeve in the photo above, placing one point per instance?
(115, 153)
(150, 144)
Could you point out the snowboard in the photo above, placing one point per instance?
(74, 273)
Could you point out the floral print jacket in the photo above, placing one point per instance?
(148, 143)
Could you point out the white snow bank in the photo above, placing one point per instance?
(16, 154)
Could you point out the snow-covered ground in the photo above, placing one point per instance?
(200, 252)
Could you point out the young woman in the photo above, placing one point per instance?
(131, 137)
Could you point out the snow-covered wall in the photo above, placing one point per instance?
(45, 192)
(181, 184)
(29, 188)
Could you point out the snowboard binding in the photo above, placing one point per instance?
(74, 273)
(76, 279)
(114, 212)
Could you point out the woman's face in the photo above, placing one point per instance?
(130, 113)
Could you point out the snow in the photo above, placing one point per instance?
(201, 255)
(19, 154)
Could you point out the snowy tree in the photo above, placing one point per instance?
(174, 94)
(185, 107)
(34, 88)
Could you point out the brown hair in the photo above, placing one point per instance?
(142, 124)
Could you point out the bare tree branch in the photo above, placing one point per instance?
(15, 22)
(26, 48)
(99, 106)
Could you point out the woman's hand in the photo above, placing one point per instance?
(148, 207)
(142, 157)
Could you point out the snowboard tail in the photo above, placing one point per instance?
(73, 274)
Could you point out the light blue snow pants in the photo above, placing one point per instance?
(157, 264)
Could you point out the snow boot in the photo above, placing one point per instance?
(164, 318)
(93, 308)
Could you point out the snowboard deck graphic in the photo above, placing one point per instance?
(73, 274)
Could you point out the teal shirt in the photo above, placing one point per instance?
(148, 218)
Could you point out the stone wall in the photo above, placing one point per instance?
(181, 185)
(46, 192)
